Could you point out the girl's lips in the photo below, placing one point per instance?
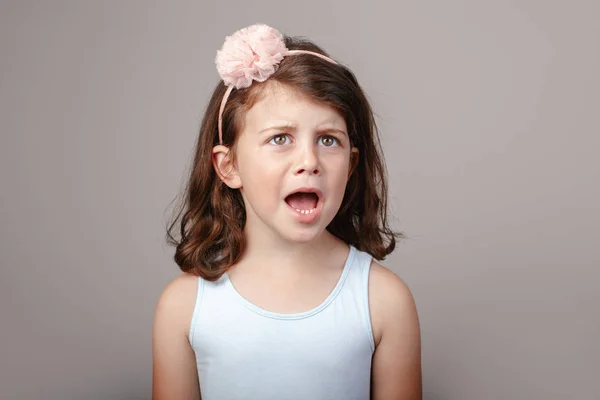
(308, 217)
(307, 189)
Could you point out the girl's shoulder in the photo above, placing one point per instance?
(387, 284)
(177, 300)
(389, 297)
(396, 366)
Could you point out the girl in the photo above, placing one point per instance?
(284, 212)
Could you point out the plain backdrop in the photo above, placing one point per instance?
(489, 116)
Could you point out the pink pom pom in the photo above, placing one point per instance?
(252, 53)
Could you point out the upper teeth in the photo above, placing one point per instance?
(305, 211)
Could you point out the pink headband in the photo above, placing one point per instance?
(251, 54)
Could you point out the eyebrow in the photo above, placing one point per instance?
(293, 126)
(280, 127)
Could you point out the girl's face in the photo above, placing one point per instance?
(290, 143)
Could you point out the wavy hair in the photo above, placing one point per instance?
(207, 226)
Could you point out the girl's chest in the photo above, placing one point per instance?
(287, 296)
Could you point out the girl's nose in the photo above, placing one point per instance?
(308, 161)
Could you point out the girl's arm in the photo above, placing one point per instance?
(396, 369)
(174, 372)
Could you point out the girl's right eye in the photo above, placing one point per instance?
(278, 139)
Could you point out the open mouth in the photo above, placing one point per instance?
(303, 202)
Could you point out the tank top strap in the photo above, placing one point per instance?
(196, 312)
(356, 289)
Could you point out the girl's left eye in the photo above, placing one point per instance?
(329, 141)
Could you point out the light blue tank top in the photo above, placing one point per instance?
(245, 352)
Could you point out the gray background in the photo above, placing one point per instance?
(489, 113)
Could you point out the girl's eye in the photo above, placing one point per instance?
(279, 139)
(329, 141)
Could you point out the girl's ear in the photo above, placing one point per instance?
(222, 159)
(354, 157)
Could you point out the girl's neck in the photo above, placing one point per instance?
(282, 256)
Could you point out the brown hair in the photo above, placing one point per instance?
(211, 217)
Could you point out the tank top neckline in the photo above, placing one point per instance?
(304, 314)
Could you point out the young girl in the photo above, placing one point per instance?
(284, 212)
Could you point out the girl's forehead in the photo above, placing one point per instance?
(287, 106)
(274, 93)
